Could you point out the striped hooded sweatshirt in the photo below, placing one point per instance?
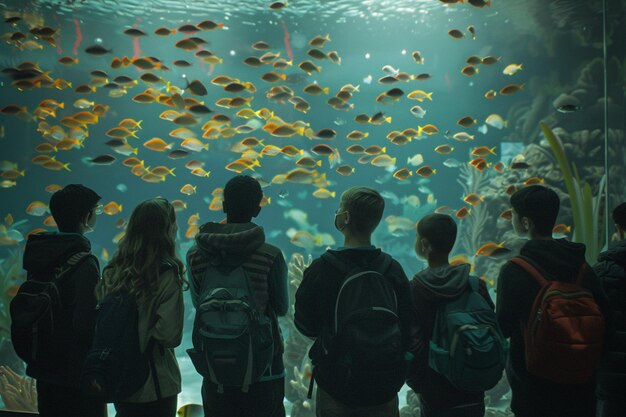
(235, 244)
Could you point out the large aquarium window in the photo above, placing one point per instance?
(442, 106)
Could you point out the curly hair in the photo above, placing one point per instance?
(148, 243)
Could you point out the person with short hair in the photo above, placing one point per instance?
(74, 210)
(240, 242)
(535, 210)
(360, 211)
(432, 288)
(147, 266)
(611, 269)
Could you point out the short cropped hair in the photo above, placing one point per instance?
(540, 204)
(365, 206)
(70, 205)
(243, 195)
(439, 230)
(619, 215)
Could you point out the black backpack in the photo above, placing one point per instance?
(364, 349)
(41, 323)
(115, 362)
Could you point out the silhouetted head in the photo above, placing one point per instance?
(436, 234)
(150, 240)
(619, 217)
(242, 199)
(535, 210)
(360, 211)
(74, 208)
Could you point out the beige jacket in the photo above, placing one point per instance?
(162, 319)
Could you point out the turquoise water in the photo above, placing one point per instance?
(555, 46)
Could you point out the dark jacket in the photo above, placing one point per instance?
(431, 288)
(234, 244)
(611, 269)
(317, 294)
(45, 252)
(516, 293)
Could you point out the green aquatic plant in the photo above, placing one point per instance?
(472, 227)
(585, 206)
(10, 273)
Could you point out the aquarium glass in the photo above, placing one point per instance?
(436, 104)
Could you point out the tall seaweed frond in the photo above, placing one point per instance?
(585, 206)
(472, 227)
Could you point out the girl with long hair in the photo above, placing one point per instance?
(147, 267)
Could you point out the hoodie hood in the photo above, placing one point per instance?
(447, 281)
(49, 250)
(616, 254)
(231, 243)
(558, 257)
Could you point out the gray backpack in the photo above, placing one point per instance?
(233, 343)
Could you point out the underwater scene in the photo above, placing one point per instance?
(444, 106)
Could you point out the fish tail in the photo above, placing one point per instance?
(172, 172)
(283, 77)
(62, 105)
(319, 163)
(67, 167)
(384, 150)
(492, 150)
(388, 119)
(135, 150)
(325, 90)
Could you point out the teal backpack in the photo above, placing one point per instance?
(467, 346)
(233, 344)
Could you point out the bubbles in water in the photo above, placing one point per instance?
(98, 40)
(367, 55)
(232, 52)
(404, 52)
(122, 188)
(184, 75)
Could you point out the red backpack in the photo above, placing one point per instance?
(564, 334)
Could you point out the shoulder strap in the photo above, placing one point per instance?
(530, 268)
(582, 272)
(335, 262)
(380, 264)
(474, 283)
(73, 262)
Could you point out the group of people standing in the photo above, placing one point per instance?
(372, 328)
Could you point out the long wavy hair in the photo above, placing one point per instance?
(148, 243)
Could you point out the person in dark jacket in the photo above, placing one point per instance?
(360, 211)
(237, 242)
(611, 268)
(535, 210)
(432, 287)
(74, 211)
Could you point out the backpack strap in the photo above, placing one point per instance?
(582, 272)
(381, 263)
(72, 263)
(531, 269)
(474, 283)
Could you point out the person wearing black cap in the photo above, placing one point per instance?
(74, 209)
